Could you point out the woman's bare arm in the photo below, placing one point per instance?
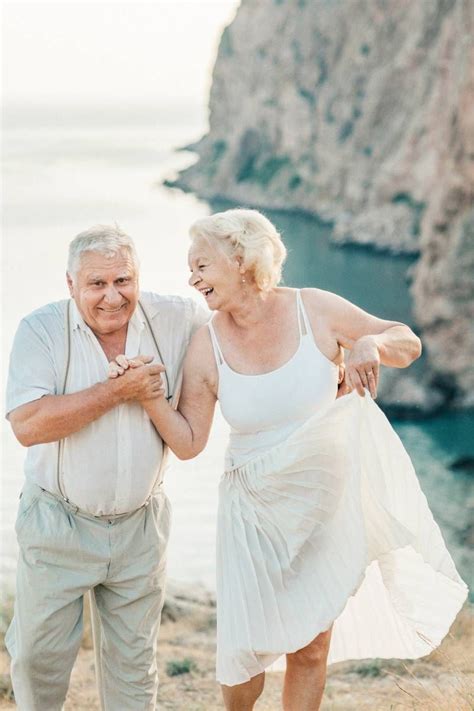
(372, 341)
(186, 430)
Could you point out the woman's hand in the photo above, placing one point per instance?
(363, 366)
(122, 363)
(342, 384)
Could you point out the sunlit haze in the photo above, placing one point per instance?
(104, 53)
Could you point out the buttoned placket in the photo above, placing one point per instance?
(135, 330)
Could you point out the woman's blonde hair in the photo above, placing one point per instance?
(249, 235)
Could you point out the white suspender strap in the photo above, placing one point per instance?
(169, 395)
(62, 391)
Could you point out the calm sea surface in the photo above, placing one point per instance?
(65, 171)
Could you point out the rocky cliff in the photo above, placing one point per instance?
(361, 111)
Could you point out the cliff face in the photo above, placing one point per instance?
(361, 112)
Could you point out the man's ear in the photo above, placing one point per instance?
(70, 284)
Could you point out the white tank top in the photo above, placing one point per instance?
(262, 410)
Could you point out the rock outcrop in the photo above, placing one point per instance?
(361, 112)
(188, 601)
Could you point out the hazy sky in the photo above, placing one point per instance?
(108, 52)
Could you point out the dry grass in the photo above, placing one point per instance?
(444, 681)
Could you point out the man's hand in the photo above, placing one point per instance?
(363, 366)
(54, 417)
(122, 363)
(139, 382)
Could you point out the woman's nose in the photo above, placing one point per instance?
(193, 279)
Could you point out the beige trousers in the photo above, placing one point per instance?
(63, 554)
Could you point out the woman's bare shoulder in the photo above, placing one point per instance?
(200, 360)
(319, 301)
(200, 344)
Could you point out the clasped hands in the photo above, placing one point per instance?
(141, 380)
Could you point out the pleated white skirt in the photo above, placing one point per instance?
(330, 526)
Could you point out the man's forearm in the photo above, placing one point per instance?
(54, 417)
(398, 346)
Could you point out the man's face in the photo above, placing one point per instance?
(105, 290)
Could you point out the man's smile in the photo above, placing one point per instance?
(111, 311)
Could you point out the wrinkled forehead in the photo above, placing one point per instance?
(201, 247)
(206, 248)
(106, 262)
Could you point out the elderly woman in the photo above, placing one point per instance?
(322, 528)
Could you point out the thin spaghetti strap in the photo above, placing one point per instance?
(215, 345)
(302, 313)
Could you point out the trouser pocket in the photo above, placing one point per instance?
(29, 497)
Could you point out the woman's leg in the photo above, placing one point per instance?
(242, 697)
(306, 675)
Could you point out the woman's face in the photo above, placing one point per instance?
(217, 277)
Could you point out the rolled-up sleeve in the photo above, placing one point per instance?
(32, 373)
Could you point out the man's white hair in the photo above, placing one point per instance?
(108, 240)
(249, 235)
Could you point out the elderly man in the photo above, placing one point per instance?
(93, 515)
